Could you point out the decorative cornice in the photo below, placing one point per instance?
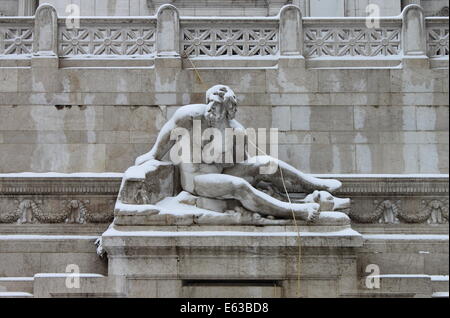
(351, 185)
(49, 186)
(382, 199)
(394, 186)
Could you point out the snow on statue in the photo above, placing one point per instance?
(213, 175)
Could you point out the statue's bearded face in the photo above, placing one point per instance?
(222, 104)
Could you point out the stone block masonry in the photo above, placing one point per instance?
(346, 99)
(353, 101)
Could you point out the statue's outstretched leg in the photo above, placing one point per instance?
(221, 186)
(266, 168)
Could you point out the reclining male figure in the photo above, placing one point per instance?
(236, 180)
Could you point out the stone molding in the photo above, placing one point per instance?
(375, 200)
(395, 200)
(59, 186)
(394, 185)
(57, 200)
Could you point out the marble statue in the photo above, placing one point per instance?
(255, 187)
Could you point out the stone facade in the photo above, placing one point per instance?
(347, 110)
(391, 203)
(347, 99)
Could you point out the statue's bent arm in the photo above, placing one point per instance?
(162, 145)
(164, 142)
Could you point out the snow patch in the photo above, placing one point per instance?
(16, 279)
(406, 237)
(345, 232)
(45, 237)
(62, 175)
(402, 276)
(393, 176)
(439, 278)
(64, 275)
(139, 171)
(15, 294)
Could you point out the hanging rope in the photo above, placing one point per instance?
(185, 56)
(293, 217)
(284, 186)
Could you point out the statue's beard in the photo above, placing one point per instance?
(218, 115)
(215, 120)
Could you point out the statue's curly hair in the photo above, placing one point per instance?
(220, 94)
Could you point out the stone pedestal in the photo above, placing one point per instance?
(233, 261)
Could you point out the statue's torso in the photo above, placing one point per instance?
(188, 171)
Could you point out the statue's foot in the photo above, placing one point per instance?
(313, 214)
(306, 211)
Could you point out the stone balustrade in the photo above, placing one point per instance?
(437, 37)
(167, 34)
(16, 37)
(107, 37)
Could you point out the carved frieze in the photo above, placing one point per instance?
(412, 210)
(52, 210)
(71, 200)
(382, 211)
(401, 200)
(103, 214)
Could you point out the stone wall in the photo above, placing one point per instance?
(186, 7)
(319, 8)
(81, 104)
(435, 7)
(315, 8)
(8, 7)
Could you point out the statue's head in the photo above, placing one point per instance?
(222, 103)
